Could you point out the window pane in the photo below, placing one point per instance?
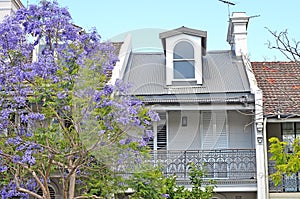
(297, 129)
(184, 69)
(288, 128)
(288, 135)
(183, 50)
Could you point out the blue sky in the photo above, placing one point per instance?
(114, 18)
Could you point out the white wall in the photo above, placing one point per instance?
(6, 8)
(240, 128)
(240, 132)
(183, 137)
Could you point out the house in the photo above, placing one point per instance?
(9, 7)
(209, 104)
(280, 84)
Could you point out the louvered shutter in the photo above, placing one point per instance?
(160, 133)
(161, 137)
(221, 137)
(214, 130)
(207, 129)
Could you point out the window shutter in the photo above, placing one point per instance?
(160, 140)
(221, 132)
(214, 130)
(208, 136)
(161, 137)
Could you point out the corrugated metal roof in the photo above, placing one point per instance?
(221, 74)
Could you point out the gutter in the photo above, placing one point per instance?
(260, 136)
(266, 155)
(241, 100)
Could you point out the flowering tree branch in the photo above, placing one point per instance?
(58, 114)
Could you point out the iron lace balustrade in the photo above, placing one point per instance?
(228, 166)
(288, 183)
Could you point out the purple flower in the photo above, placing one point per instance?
(3, 168)
(16, 158)
(31, 88)
(153, 115)
(36, 116)
(61, 95)
(148, 135)
(108, 89)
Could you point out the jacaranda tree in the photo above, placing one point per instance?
(59, 118)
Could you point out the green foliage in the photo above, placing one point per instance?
(196, 178)
(286, 162)
(151, 184)
(147, 184)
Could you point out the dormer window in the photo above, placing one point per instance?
(184, 48)
(183, 60)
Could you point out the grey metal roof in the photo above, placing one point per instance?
(222, 73)
(224, 80)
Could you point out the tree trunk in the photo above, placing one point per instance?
(72, 186)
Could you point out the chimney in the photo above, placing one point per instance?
(237, 33)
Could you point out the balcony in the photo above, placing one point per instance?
(289, 183)
(229, 166)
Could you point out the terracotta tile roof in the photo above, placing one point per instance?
(280, 83)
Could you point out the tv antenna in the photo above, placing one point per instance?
(228, 4)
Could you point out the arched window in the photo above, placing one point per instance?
(183, 59)
(52, 192)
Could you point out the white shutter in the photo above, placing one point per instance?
(207, 129)
(221, 130)
(214, 130)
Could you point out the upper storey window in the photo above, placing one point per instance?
(183, 60)
(184, 48)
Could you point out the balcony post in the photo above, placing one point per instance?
(185, 165)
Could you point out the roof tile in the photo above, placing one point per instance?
(280, 84)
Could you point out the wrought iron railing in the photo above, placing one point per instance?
(227, 166)
(288, 183)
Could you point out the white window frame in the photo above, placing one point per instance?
(170, 45)
(176, 60)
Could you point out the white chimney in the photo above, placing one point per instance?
(237, 33)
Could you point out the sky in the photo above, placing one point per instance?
(144, 19)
